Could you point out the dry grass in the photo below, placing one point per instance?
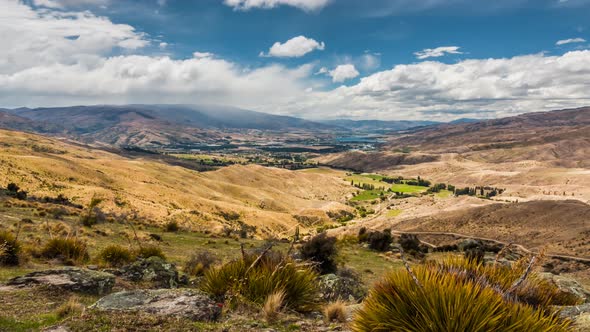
(273, 305)
(335, 312)
(70, 308)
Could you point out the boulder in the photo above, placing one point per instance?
(154, 270)
(568, 285)
(186, 303)
(69, 278)
(346, 287)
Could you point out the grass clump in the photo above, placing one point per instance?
(70, 308)
(273, 305)
(9, 250)
(460, 295)
(150, 251)
(200, 262)
(69, 250)
(116, 256)
(254, 278)
(335, 312)
(322, 250)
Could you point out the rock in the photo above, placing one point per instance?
(69, 278)
(568, 285)
(155, 270)
(574, 310)
(346, 286)
(186, 303)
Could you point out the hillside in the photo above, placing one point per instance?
(270, 199)
(150, 125)
(377, 125)
(558, 226)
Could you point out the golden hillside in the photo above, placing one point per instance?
(267, 198)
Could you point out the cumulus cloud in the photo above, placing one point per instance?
(439, 91)
(437, 52)
(570, 41)
(294, 47)
(342, 73)
(306, 5)
(69, 3)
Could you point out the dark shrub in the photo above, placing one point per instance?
(321, 249)
(9, 249)
(172, 226)
(69, 250)
(150, 251)
(200, 262)
(363, 235)
(474, 254)
(409, 242)
(116, 256)
(380, 241)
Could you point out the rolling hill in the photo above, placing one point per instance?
(149, 125)
(274, 200)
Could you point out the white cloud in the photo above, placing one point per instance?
(69, 3)
(370, 61)
(343, 72)
(306, 5)
(200, 55)
(569, 41)
(472, 88)
(294, 47)
(437, 52)
(163, 45)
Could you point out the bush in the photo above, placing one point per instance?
(363, 235)
(380, 241)
(255, 282)
(150, 251)
(116, 256)
(9, 249)
(460, 295)
(322, 250)
(172, 227)
(200, 262)
(69, 250)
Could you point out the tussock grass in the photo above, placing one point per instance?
(68, 249)
(150, 251)
(273, 305)
(253, 278)
(115, 256)
(70, 308)
(200, 262)
(460, 295)
(335, 312)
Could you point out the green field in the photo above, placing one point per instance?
(444, 194)
(368, 179)
(408, 189)
(368, 195)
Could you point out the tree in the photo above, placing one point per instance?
(322, 250)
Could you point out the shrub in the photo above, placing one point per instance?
(363, 235)
(380, 241)
(272, 306)
(116, 256)
(459, 295)
(150, 251)
(172, 227)
(255, 282)
(69, 250)
(9, 249)
(335, 312)
(200, 262)
(322, 250)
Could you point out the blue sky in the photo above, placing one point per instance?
(384, 59)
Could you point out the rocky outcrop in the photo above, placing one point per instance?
(185, 303)
(346, 287)
(154, 270)
(568, 285)
(68, 278)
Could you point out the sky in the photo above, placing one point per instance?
(318, 59)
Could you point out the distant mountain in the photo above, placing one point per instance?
(150, 125)
(15, 122)
(465, 120)
(377, 125)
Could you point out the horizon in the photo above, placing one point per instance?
(322, 59)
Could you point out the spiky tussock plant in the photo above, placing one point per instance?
(115, 256)
(253, 278)
(68, 249)
(9, 249)
(273, 305)
(335, 312)
(461, 295)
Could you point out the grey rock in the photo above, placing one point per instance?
(339, 287)
(568, 285)
(186, 303)
(155, 270)
(69, 278)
